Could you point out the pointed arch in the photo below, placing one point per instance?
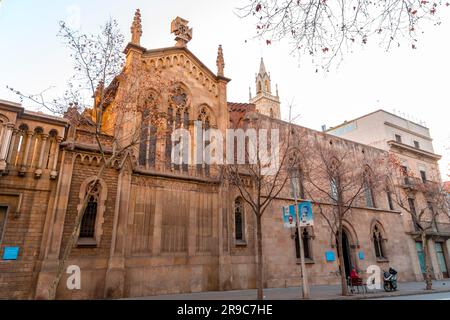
(91, 229)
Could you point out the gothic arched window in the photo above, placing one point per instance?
(205, 119)
(378, 242)
(87, 229)
(92, 221)
(368, 191)
(177, 117)
(239, 228)
(148, 140)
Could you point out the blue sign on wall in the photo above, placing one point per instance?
(329, 255)
(361, 255)
(10, 253)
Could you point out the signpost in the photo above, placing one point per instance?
(303, 209)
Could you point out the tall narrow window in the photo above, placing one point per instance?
(404, 172)
(3, 212)
(378, 243)
(168, 156)
(416, 144)
(423, 175)
(239, 220)
(369, 195)
(87, 229)
(334, 189)
(412, 205)
(306, 243)
(186, 127)
(390, 202)
(398, 138)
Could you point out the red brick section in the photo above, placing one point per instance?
(447, 186)
(237, 112)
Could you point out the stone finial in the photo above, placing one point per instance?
(183, 33)
(220, 62)
(136, 28)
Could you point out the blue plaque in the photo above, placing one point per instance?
(330, 256)
(10, 253)
(361, 255)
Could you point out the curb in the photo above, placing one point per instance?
(387, 295)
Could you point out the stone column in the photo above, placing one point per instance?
(38, 171)
(6, 140)
(11, 146)
(54, 173)
(23, 166)
(55, 227)
(115, 274)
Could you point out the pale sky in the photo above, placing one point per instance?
(414, 82)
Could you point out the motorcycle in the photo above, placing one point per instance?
(390, 280)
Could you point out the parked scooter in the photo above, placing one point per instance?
(390, 280)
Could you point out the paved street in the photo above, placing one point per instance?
(317, 293)
(433, 296)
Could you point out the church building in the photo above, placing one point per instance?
(153, 227)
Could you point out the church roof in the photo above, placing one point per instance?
(237, 112)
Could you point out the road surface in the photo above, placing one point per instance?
(431, 296)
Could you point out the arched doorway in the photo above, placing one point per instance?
(348, 264)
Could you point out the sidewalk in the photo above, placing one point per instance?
(331, 292)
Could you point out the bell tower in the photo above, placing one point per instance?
(266, 103)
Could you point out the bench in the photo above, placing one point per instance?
(356, 283)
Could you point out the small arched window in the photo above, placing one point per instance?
(92, 221)
(239, 220)
(378, 242)
(87, 229)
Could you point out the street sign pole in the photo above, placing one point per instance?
(304, 275)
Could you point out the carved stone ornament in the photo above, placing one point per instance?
(183, 33)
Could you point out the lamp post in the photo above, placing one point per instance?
(305, 286)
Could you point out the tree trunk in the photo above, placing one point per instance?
(72, 239)
(428, 276)
(259, 279)
(344, 289)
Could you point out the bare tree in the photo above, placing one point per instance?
(425, 202)
(328, 29)
(260, 177)
(336, 177)
(99, 60)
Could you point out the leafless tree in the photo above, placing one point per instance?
(99, 60)
(259, 185)
(329, 29)
(336, 177)
(425, 201)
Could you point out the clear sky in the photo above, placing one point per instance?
(414, 82)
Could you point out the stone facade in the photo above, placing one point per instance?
(159, 228)
(412, 144)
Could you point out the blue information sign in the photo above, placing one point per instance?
(330, 256)
(361, 255)
(10, 253)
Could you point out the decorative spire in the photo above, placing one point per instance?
(136, 28)
(262, 68)
(183, 33)
(277, 89)
(220, 62)
(250, 93)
